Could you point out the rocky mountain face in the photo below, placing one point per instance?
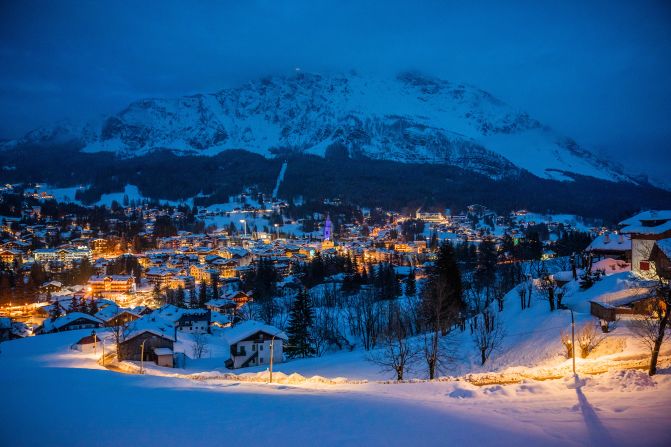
(409, 118)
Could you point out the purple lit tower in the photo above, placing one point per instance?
(327, 228)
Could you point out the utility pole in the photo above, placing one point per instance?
(142, 358)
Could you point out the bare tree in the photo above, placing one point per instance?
(651, 328)
(117, 326)
(398, 352)
(547, 286)
(199, 346)
(364, 317)
(589, 338)
(522, 292)
(567, 341)
(488, 334)
(435, 346)
(326, 332)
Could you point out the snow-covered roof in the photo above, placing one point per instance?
(635, 224)
(611, 242)
(665, 246)
(641, 229)
(111, 311)
(137, 329)
(221, 302)
(162, 351)
(623, 297)
(648, 215)
(60, 322)
(249, 328)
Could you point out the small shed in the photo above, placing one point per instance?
(164, 357)
(88, 344)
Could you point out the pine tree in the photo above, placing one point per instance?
(55, 311)
(193, 304)
(75, 305)
(442, 295)
(411, 284)
(300, 324)
(215, 287)
(180, 297)
(202, 295)
(93, 306)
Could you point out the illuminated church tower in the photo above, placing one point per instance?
(328, 234)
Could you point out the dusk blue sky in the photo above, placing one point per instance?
(596, 71)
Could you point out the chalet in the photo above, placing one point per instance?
(113, 316)
(111, 285)
(252, 343)
(608, 306)
(221, 305)
(196, 321)
(645, 228)
(9, 256)
(240, 298)
(607, 245)
(51, 287)
(144, 342)
(70, 322)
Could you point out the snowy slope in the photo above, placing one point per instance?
(409, 118)
(81, 404)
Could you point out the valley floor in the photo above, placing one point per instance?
(54, 396)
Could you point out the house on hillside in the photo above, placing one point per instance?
(240, 298)
(645, 228)
(607, 245)
(70, 322)
(113, 316)
(143, 343)
(250, 343)
(631, 301)
(194, 321)
(221, 305)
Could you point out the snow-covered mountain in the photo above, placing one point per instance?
(410, 118)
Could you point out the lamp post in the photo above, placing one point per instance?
(272, 354)
(277, 231)
(244, 221)
(573, 340)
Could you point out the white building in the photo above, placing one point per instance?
(645, 228)
(252, 343)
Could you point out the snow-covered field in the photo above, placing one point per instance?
(54, 396)
(524, 394)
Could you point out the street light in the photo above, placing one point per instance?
(573, 340)
(277, 231)
(244, 221)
